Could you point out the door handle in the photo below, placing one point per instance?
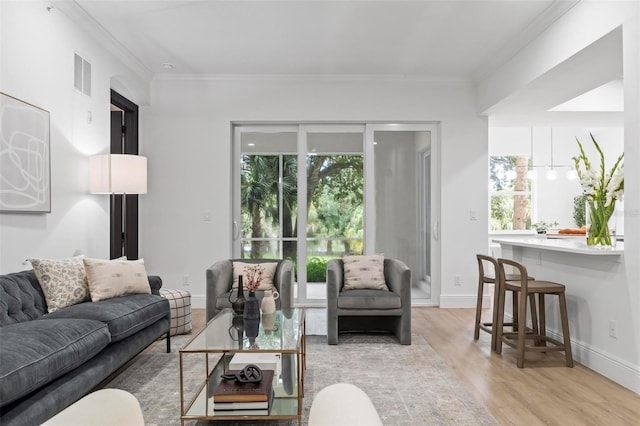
(435, 229)
(236, 230)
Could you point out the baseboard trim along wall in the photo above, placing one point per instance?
(611, 367)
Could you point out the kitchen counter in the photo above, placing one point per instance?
(567, 245)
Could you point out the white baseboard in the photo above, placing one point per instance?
(463, 301)
(610, 366)
(198, 301)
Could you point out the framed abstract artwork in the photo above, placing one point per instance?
(25, 160)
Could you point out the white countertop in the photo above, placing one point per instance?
(569, 245)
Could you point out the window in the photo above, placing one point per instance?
(510, 193)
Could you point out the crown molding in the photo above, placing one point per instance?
(86, 22)
(315, 77)
(551, 14)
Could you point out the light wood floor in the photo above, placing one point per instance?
(545, 392)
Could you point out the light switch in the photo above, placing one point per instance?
(207, 216)
(473, 215)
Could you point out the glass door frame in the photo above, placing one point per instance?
(435, 202)
(302, 129)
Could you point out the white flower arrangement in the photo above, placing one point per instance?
(602, 189)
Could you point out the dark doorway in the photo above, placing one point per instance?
(124, 140)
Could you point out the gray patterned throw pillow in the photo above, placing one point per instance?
(63, 281)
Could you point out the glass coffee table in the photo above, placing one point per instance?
(281, 334)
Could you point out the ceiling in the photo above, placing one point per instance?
(413, 39)
(433, 39)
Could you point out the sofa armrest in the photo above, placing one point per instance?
(335, 273)
(155, 282)
(219, 281)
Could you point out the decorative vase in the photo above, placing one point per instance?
(238, 304)
(600, 223)
(252, 327)
(237, 324)
(269, 301)
(251, 307)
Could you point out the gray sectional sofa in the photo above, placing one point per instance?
(50, 360)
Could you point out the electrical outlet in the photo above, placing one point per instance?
(613, 328)
(456, 281)
(185, 280)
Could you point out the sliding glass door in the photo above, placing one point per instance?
(315, 192)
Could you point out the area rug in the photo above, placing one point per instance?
(408, 385)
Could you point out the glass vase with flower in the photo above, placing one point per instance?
(253, 276)
(602, 189)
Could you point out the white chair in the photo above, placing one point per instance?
(105, 407)
(343, 404)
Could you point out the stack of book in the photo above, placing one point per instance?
(231, 398)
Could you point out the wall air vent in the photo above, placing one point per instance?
(82, 74)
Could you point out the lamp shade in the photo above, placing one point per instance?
(118, 174)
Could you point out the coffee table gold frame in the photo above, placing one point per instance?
(222, 338)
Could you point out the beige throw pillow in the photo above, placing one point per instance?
(268, 272)
(364, 272)
(63, 281)
(114, 278)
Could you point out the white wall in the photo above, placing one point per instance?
(37, 49)
(186, 134)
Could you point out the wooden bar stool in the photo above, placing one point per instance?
(527, 288)
(487, 272)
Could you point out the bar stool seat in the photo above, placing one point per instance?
(487, 272)
(528, 288)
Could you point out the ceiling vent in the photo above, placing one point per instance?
(82, 75)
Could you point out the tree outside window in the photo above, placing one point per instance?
(510, 193)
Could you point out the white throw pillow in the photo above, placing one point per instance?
(364, 272)
(114, 278)
(63, 281)
(268, 272)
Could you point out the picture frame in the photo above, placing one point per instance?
(25, 157)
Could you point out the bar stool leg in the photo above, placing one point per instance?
(522, 328)
(494, 327)
(565, 330)
(534, 313)
(543, 320)
(498, 325)
(476, 332)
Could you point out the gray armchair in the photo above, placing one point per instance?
(376, 310)
(220, 281)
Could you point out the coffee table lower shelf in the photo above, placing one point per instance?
(284, 406)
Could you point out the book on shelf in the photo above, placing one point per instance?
(260, 408)
(264, 360)
(232, 391)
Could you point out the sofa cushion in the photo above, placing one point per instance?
(368, 299)
(21, 298)
(63, 281)
(33, 353)
(364, 272)
(114, 278)
(124, 315)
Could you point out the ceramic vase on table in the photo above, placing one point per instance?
(238, 304)
(251, 307)
(268, 305)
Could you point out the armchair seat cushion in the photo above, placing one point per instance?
(368, 299)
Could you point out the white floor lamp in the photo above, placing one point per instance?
(115, 174)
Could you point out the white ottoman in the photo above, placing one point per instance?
(343, 404)
(180, 304)
(106, 407)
